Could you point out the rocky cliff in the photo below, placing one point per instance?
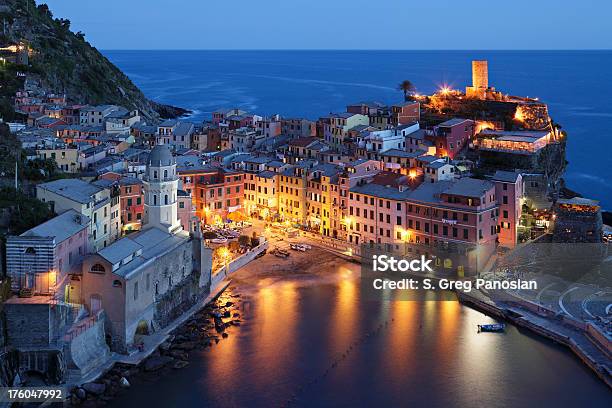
(65, 62)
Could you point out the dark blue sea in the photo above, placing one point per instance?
(575, 84)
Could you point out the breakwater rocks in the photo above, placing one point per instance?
(203, 331)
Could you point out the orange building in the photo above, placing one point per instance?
(215, 192)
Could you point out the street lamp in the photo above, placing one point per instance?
(405, 238)
(225, 255)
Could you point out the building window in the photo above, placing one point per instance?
(116, 283)
(136, 291)
(97, 268)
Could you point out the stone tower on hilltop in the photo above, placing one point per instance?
(480, 74)
(480, 82)
(161, 187)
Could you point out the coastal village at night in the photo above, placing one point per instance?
(124, 225)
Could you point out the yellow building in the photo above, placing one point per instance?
(319, 197)
(66, 158)
(337, 130)
(261, 193)
(292, 189)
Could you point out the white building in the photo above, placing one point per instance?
(438, 170)
(382, 140)
(96, 115)
(95, 202)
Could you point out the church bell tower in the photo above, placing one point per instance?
(160, 189)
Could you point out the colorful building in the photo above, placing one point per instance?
(43, 258)
(216, 192)
(131, 196)
(339, 124)
(97, 203)
(510, 192)
(261, 193)
(452, 136)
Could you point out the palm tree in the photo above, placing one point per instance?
(407, 87)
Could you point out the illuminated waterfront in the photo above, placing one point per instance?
(305, 317)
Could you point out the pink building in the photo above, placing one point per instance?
(186, 211)
(377, 214)
(509, 189)
(459, 214)
(463, 211)
(450, 137)
(44, 258)
(221, 115)
(355, 173)
(269, 127)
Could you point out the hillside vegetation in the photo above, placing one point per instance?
(65, 62)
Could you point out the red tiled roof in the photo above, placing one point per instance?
(302, 141)
(387, 178)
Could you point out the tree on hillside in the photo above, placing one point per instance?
(25, 212)
(44, 10)
(407, 87)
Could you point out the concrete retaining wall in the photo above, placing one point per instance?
(237, 263)
(89, 348)
(600, 339)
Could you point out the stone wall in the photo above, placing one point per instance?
(36, 325)
(88, 349)
(28, 325)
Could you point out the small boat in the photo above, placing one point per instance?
(494, 328)
(280, 253)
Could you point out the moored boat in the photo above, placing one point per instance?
(496, 327)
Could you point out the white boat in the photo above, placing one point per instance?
(219, 241)
(496, 327)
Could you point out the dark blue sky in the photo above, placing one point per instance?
(340, 24)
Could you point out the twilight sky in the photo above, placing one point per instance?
(340, 24)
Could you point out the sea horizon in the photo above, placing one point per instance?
(365, 49)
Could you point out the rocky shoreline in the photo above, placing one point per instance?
(169, 111)
(205, 329)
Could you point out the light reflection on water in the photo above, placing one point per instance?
(322, 343)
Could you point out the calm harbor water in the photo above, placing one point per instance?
(575, 84)
(387, 353)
